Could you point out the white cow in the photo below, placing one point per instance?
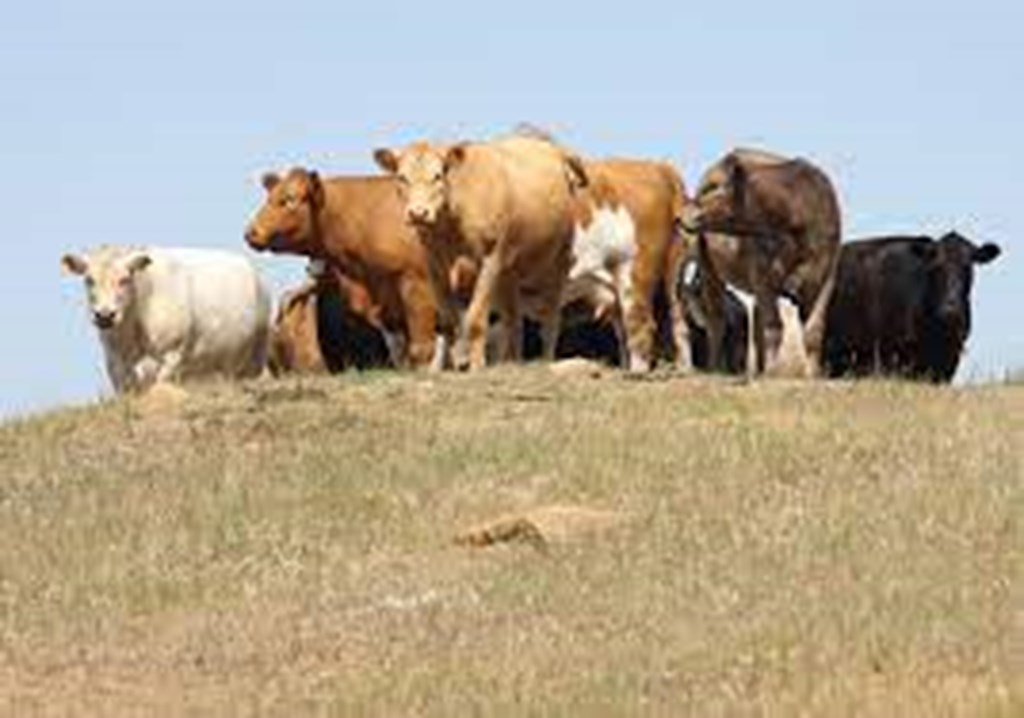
(170, 314)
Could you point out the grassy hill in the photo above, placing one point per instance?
(675, 546)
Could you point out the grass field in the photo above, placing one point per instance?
(698, 547)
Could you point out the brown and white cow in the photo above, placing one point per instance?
(626, 252)
(498, 215)
(357, 225)
(769, 225)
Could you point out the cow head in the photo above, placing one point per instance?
(287, 221)
(950, 266)
(423, 172)
(110, 281)
(721, 199)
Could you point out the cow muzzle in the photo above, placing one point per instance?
(104, 318)
(690, 218)
(954, 321)
(266, 242)
(421, 216)
(255, 239)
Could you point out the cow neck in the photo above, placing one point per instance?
(446, 237)
(127, 338)
(322, 239)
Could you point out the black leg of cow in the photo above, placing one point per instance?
(712, 299)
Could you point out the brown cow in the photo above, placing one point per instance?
(627, 252)
(771, 226)
(321, 327)
(506, 205)
(356, 224)
(295, 339)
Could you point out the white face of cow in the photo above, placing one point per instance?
(422, 173)
(109, 276)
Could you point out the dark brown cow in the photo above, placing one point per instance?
(357, 225)
(771, 226)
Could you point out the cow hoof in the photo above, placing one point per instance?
(638, 365)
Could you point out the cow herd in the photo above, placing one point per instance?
(460, 255)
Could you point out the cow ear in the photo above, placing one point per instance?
(270, 180)
(386, 159)
(736, 173)
(316, 190)
(735, 179)
(139, 262)
(74, 264)
(986, 253)
(455, 156)
(578, 177)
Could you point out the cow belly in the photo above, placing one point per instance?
(608, 241)
(215, 316)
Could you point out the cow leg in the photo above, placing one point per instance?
(476, 319)
(420, 319)
(619, 326)
(398, 348)
(546, 305)
(683, 360)
(814, 327)
(442, 353)
(510, 320)
(448, 319)
(168, 368)
(768, 327)
(638, 318)
(712, 304)
(712, 300)
(546, 309)
(121, 375)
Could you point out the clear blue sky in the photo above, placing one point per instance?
(138, 122)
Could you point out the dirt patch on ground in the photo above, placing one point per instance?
(542, 526)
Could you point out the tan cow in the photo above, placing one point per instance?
(626, 251)
(506, 205)
(295, 339)
(357, 225)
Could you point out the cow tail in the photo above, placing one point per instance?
(577, 171)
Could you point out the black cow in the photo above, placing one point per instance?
(902, 306)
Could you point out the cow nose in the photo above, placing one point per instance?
(419, 215)
(252, 237)
(103, 318)
(689, 218)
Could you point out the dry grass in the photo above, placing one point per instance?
(287, 549)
